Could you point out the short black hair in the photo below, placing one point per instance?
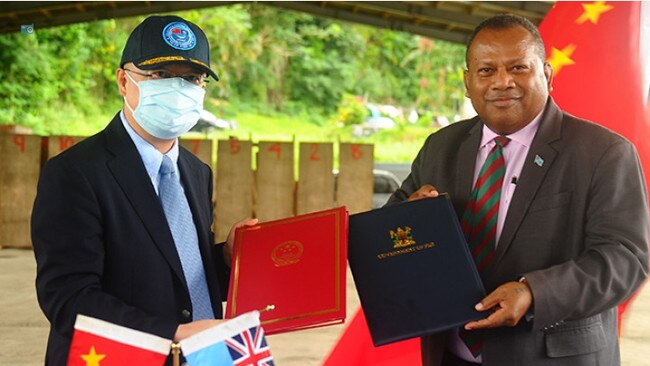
(507, 21)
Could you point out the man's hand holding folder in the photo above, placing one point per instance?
(507, 304)
(296, 264)
(412, 268)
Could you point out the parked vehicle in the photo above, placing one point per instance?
(373, 124)
(208, 122)
(385, 183)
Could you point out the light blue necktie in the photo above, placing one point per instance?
(179, 218)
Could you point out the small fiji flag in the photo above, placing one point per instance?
(177, 31)
(239, 341)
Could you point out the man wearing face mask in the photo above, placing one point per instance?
(121, 222)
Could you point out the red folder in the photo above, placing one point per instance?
(297, 265)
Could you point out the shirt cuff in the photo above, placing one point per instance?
(530, 314)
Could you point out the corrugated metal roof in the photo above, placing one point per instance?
(448, 20)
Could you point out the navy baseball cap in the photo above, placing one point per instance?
(164, 40)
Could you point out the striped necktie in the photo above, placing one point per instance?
(179, 218)
(479, 221)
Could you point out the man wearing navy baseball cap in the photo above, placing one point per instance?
(121, 225)
(160, 41)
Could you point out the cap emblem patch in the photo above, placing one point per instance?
(179, 36)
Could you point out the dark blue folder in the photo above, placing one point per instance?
(413, 270)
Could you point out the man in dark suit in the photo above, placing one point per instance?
(105, 243)
(571, 221)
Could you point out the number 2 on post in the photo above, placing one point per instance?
(314, 153)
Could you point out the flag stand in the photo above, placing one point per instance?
(176, 347)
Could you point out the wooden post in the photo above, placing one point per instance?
(274, 181)
(315, 179)
(354, 183)
(19, 171)
(202, 148)
(54, 145)
(234, 186)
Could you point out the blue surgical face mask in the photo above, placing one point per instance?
(167, 108)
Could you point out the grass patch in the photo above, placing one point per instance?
(257, 127)
(398, 145)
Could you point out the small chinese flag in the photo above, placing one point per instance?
(99, 343)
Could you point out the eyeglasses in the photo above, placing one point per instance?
(195, 79)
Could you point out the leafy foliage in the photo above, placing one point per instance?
(351, 111)
(62, 80)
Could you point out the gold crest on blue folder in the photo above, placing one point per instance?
(413, 270)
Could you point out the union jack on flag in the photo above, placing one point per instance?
(250, 348)
(239, 341)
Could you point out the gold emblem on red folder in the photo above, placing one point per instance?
(287, 253)
(402, 237)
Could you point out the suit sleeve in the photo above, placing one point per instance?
(223, 267)
(69, 245)
(614, 261)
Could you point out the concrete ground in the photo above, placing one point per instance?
(23, 328)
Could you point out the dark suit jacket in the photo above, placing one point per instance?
(576, 228)
(102, 244)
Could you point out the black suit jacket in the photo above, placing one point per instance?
(102, 244)
(576, 228)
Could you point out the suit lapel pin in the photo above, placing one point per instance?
(538, 160)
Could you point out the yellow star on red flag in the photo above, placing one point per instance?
(593, 12)
(92, 358)
(561, 58)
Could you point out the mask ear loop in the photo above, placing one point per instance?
(126, 103)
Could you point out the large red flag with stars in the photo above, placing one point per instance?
(355, 348)
(99, 343)
(595, 50)
(600, 71)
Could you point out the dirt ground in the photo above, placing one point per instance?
(23, 328)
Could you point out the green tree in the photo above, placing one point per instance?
(24, 84)
(50, 78)
(62, 79)
(324, 66)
